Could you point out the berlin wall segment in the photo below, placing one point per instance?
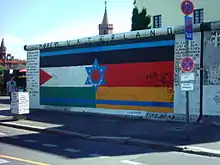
(97, 99)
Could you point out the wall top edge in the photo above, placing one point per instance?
(170, 30)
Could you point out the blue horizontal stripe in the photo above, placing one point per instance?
(110, 102)
(109, 48)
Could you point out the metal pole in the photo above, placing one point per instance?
(187, 99)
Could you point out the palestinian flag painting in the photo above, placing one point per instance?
(130, 74)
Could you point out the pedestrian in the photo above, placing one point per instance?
(11, 86)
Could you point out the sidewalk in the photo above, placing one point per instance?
(171, 136)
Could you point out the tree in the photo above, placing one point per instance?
(140, 20)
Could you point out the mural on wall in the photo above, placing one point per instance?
(211, 63)
(130, 75)
(194, 53)
(33, 77)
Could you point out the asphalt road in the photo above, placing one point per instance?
(19, 147)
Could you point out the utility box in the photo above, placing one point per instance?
(20, 103)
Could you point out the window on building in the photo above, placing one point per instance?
(198, 16)
(105, 30)
(157, 21)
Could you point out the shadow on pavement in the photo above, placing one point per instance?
(4, 100)
(5, 113)
(69, 147)
(96, 125)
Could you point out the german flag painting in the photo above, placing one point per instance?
(131, 74)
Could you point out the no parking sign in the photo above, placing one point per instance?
(187, 64)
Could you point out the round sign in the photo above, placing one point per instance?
(187, 7)
(186, 64)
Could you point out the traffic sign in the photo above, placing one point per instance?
(188, 28)
(187, 64)
(187, 7)
(187, 86)
(187, 77)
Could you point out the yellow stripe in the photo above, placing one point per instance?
(140, 108)
(160, 94)
(22, 160)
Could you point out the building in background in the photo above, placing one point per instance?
(10, 66)
(168, 13)
(8, 61)
(105, 27)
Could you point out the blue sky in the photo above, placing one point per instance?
(31, 22)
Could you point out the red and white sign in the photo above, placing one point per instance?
(187, 64)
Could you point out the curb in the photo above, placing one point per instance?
(153, 144)
(41, 129)
(201, 151)
(6, 118)
(120, 140)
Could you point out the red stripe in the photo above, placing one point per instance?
(152, 74)
(44, 77)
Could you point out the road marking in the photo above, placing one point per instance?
(49, 145)
(30, 141)
(108, 120)
(2, 134)
(14, 137)
(95, 155)
(104, 157)
(99, 156)
(130, 162)
(2, 161)
(71, 150)
(22, 160)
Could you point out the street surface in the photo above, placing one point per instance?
(96, 125)
(19, 147)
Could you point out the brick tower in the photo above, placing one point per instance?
(2, 50)
(105, 27)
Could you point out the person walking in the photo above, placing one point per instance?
(11, 86)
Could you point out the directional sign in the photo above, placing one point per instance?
(187, 7)
(186, 64)
(188, 28)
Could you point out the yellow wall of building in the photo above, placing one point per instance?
(171, 12)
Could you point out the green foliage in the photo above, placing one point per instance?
(140, 20)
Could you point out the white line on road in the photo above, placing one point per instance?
(99, 156)
(30, 141)
(130, 162)
(71, 150)
(14, 137)
(2, 161)
(95, 155)
(2, 134)
(104, 157)
(49, 145)
(108, 120)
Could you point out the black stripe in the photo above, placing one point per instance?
(153, 54)
(116, 42)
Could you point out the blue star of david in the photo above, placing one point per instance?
(100, 69)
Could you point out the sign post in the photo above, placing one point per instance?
(187, 64)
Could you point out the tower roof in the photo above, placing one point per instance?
(105, 17)
(2, 44)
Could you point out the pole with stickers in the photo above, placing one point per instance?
(187, 63)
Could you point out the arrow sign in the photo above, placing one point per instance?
(188, 28)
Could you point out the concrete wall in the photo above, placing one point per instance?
(204, 50)
(211, 80)
(171, 12)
